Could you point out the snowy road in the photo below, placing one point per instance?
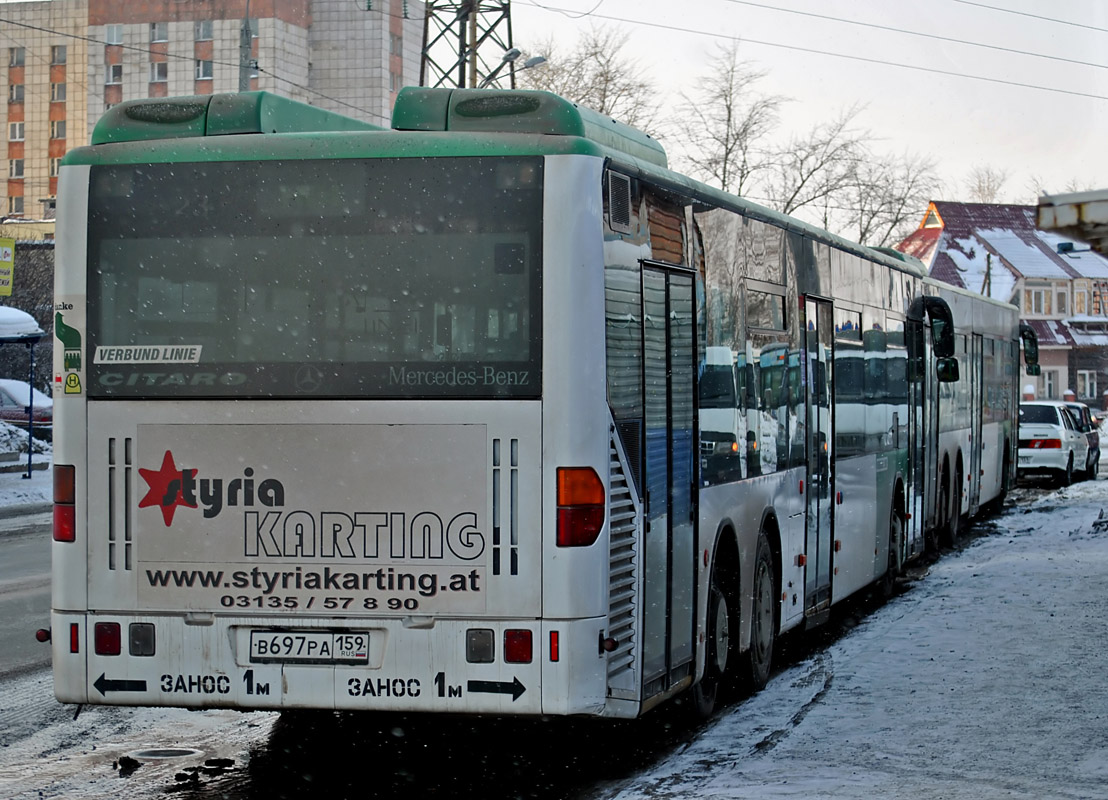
(984, 678)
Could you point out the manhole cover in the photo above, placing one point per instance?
(166, 752)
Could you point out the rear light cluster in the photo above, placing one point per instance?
(1045, 444)
(580, 506)
(107, 639)
(65, 511)
(518, 646)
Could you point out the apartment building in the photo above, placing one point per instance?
(70, 60)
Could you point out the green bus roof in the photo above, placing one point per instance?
(474, 111)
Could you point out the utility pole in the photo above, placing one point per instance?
(464, 42)
(245, 46)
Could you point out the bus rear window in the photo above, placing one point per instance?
(333, 279)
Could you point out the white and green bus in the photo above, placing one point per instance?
(409, 419)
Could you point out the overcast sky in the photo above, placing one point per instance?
(1056, 133)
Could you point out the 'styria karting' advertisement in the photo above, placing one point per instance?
(381, 519)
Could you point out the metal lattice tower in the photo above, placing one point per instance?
(464, 43)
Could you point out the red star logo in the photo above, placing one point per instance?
(165, 488)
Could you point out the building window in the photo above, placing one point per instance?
(159, 31)
(15, 205)
(1062, 301)
(115, 73)
(15, 131)
(57, 129)
(15, 92)
(1036, 301)
(1080, 301)
(15, 168)
(203, 30)
(396, 44)
(16, 56)
(113, 34)
(395, 82)
(1086, 383)
(203, 70)
(254, 29)
(57, 93)
(57, 54)
(159, 71)
(55, 166)
(1050, 384)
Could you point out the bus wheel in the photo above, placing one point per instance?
(952, 507)
(706, 693)
(896, 531)
(763, 622)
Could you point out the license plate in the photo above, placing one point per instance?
(1025, 459)
(309, 647)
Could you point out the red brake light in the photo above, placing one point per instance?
(65, 513)
(64, 483)
(107, 638)
(517, 647)
(581, 509)
(1046, 444)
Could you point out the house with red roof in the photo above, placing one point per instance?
(1060, 285)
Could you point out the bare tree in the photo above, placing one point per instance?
(724, 125)
(809, 170)
(597, 74)
(886, 197)
(984, 183)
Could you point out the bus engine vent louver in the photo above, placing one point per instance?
(619, 202)
(623, 577)
(120, 541)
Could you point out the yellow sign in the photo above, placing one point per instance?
(7, 265)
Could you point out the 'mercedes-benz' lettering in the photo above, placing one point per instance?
(454, 377)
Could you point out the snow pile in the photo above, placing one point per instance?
(13, 439)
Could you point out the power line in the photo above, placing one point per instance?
(906, 32)
(1033, 16)
(863, 59)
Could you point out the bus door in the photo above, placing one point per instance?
(820, 500)
(669, 381)
(976, 355)
(917, 425)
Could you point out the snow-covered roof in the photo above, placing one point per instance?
(1087, 263)
(1029, 260)
(18, 326)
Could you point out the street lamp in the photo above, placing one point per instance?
(510, 57)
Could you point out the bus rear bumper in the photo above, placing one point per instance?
(409, 665)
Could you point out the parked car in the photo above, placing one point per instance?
(1050, 442)
(14, 400)
(1087, 424)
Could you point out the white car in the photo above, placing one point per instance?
(1051, 442)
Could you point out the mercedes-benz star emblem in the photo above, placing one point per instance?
(308, 379)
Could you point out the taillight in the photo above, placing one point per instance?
(107, 638)
(1046, 444)
(580, 506)
(65, 512)
(517, 647)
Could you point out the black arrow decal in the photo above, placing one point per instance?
(103, 685)
(515, 688)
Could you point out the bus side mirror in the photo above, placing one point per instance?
(1030, 348)
(947, 370)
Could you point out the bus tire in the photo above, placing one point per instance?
(763, 621)
(706, 692)
(892, 570)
